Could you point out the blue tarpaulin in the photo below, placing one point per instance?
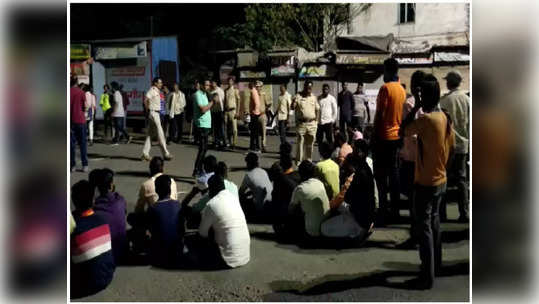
(164, 48)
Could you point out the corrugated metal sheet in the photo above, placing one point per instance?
(164, 48)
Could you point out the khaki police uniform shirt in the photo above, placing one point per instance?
(307, 108)
(232, 96)
(154, 99)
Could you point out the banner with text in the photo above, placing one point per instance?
(136, 81)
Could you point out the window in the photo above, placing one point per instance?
(406, 12)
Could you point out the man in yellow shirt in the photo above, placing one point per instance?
(436, 138)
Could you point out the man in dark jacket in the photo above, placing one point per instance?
(345, 101)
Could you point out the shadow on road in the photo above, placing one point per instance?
(336, 283)
(95, 155)
(182, 179)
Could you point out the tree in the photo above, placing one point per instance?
(312, 26)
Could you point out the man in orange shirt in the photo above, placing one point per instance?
(386, 139)
(435, 141)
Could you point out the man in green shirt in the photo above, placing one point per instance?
(310, 196)
(202, 122)
(327, 171)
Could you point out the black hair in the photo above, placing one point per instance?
(93, 178)
(252, 160)
(275, 171)
(156, 80)
(430, 91)
(107, 86)
(360, 83)
(222, 169)
(339, 137)
(306, 170)
(325, 85)
(308, 83)
(361, 148)
(105, 179)
(162, 186)
(216, 184)
(214, 95)
(85, 87)
(416, 79)
(286, 161)
(115, 86)
(156, 165)
(391, 65)
(73, 81)
(82, 195)
(209, 163)
(285, 148)
(325, 149)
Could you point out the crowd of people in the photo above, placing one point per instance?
(420, 139)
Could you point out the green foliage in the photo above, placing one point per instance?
(285, 25)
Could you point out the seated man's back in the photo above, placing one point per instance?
(92, 262)
(257, 180)
(328, 173)
(224, 215)
(166, 227)
(311, 196)
(112, 208)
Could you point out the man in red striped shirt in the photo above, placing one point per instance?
(92, 262)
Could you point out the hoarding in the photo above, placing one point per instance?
(136, 81)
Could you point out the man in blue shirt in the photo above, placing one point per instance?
(166, 225)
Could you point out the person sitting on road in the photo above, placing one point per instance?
(92, 262)
(309, 202)
(327, 171)
(166, 225)
(255, 189)
(224, 240)
(283, 187)
(344, 148)
(112, 207)
(196, 209)
(147, 197)
(287, 163)
(209, 165)
(356, 201)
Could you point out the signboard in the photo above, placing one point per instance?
(450, 57)
(283, 70)
(314, 71)
(79, 51)
(136, 81)
(252, 74)
(414, 60)
(80, 68)
(135, 51)
(360, 59)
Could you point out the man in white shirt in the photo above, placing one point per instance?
(152, 103)
(175, 105)
(328, 115)
(118, 115)
(255, 190)
(224, 216)
(283, 111)
(218, 116)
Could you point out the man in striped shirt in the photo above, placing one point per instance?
(92, 262)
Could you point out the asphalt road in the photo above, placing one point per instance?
(278, 272)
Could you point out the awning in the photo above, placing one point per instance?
(366, 43)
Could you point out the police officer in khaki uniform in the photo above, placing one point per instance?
(232, 106)
(307, 111)
(265, 105)
(153, 105)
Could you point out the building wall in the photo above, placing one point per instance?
(430, 19)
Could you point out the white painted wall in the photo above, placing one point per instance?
(430, 19)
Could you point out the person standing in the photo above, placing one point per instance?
(163, 112)
(105, 103)
(176, 105)
(283, 111)
(202, 122)
(126, 102)
(328, 115)
(232, 106)
(361, 114)
(265, 108)
(457, 104)
(217, 116)
(254, 111)
(386, 139)
(90, 112)
(118, 115)
(78, 125)
(435, 138)
(307, 111)
(152, 103)
(346, 105)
